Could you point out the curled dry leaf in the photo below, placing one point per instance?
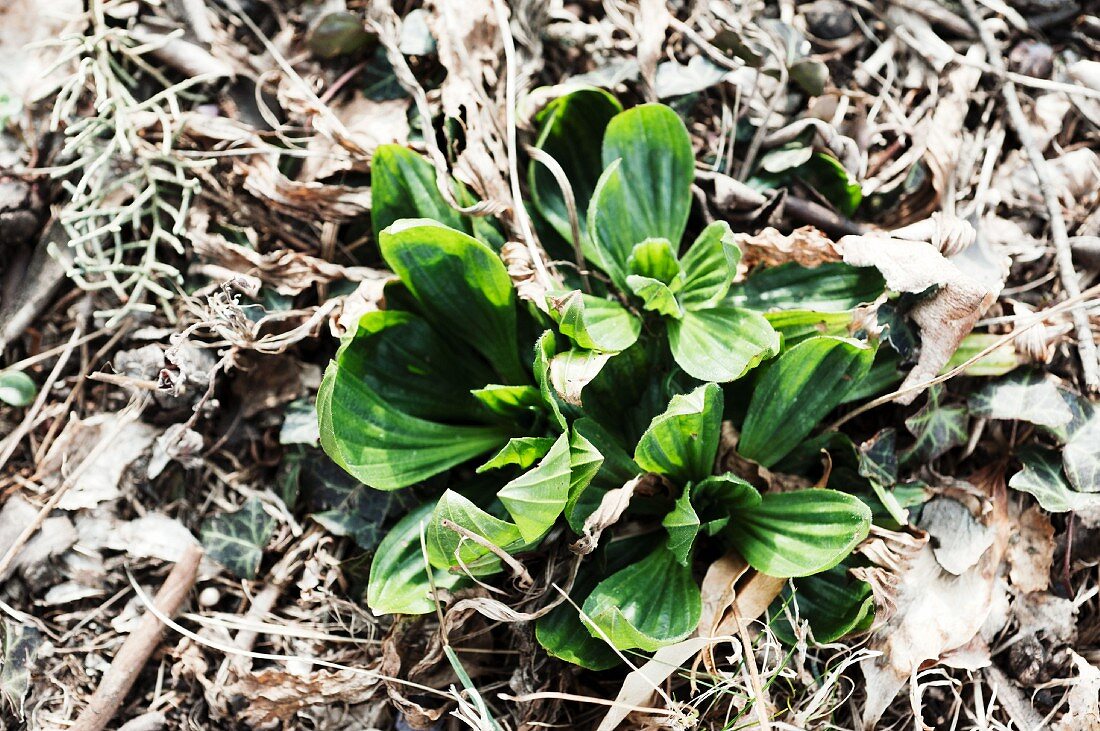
(806, 246)
(1031, 551)
(1083, 698)
(612, 506)
(733, 596)
(517, 258)
(939, 616)
(276, 695)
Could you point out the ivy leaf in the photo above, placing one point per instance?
(655, 295)
(799, 533)
(646, 605)
(536, 498)
(345, 506)
(594, 323)
(830, 287)
(682, 525)
(878, 458)
(1023, 396)
(399, 582)
(937, 428)
(18, 650)
(571, 131)
(447, 548)
(721, 344)
(460, 285)
(1081, 456)
(16, 388)
(656, 259)
(520, 451)
(682, 442)
(1041, 475)
(709, 266)
(645, 189)
(796, 391)
(236, 540)
(403, 186)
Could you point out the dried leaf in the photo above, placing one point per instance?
(276, 695)
(612, 506)
(1031, 551)
(806, 246)
(1083, 698)
(19, 646)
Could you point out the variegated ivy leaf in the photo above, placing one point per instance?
(1081, 456)
(19, 647)
(1042, 476)
(347, 507)
(237, 540)
(937, 428)
(1022, 396)
(878, 458)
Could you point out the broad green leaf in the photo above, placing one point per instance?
(827, 176)
(545, 349)
(585, 462)
(799, 533)
(398, 355)
(709, 266)
(830, 287)
(520, 451)
(719, 496)
(1024, 396)
(448, 548)
(536, 498)
(571, 131)
(509, 401)
(1081, 456)
(1041, 475)
(403, 186)
(236, 540)
(1003, 359)
(655, 295)
(878, 458)
(645, 190)
(647, 605)
(461, 286)
(885, 373)
(833, 602)
(386, 448)
(398, 582)
(16, 388)
(617, 468)
(19, 646)
(682, 525)
(682, 442)
(796, 391)
(574, 369)
(797, 325)
(594, 323)
(937, 428)
(656, 259)
(721, 343)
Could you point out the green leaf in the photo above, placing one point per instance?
(797, 325)
(571, 131)
(545, 349)
(403, 186)
(594, 323)
(682, 442)
(833, 602)
(18, 649)
(1081, 456)
(937, 428)
(399, 582)
(682, 525)
(509, 401)
(574, 369)
(718, 496)
(721, 343)
(1023, 396)
(827, 176)
(831, 287)
(796, 391)
(16, 388)
(520, 451)
(655, 295)
(709, 266)
(536, 498)
(647, 605)
(386, 448)
(878, 458)
(656, 259)
(585, 462)
(236, 540)
(799, 533)
(1003, 359)
(462, 287)
(1042, 476)
(645, 190)
(447, 548)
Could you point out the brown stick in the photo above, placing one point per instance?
(137, 648)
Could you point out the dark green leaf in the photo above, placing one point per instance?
(512, 402)
(834, 603)
(709, 266)
(236, 540)
(343, 505)
(832, 287)
(656, 259)
(797, 325)
(796, 391)
(18, 649)
(682, 525)
(536, 498)
(399, 581)
(937, 428)
(403, 186)
(721, 343)
(655, 295)
(827, 176)
(520, 451)
(594, 323)
(545, 349)
(878, 458)
(799, 533)
(682, 442)
(1042, 476)
(1024, 396)
(449, 548)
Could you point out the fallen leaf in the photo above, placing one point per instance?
(275, 695)
(612, 506)
(18, 649)
(1031, 551)
(1083, 699)
(806, 246)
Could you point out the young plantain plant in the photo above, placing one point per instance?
(522, 423)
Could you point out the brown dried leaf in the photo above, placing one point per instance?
(1031, 551)
(276, 695)
(612, 506)
(1083, 698)
(806, 246)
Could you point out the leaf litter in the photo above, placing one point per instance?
(245, 147)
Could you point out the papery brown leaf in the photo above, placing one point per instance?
(276, 695)
(806, 246)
